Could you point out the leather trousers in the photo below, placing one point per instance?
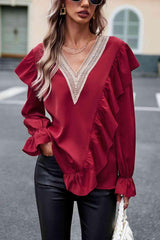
(55, 205)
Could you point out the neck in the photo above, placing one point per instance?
(77, 34)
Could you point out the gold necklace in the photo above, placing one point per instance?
(76, 51)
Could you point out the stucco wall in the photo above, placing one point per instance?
(148, 9)
(150, 12)
(38, 20)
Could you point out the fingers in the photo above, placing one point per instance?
(126, 200)
(119, 198)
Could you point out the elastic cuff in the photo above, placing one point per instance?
(31, 146)
(126, 187)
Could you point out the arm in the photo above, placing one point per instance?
(37, 124)
(125, 138)
(33, 110)
(127, 135)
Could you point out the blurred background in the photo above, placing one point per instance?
(23, 24)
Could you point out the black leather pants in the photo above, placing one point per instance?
(55, 205)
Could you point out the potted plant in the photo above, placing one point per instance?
(158, 66)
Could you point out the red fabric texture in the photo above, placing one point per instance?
(93, 140)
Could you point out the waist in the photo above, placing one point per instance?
(49, 161)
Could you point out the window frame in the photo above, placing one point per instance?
(137, 50)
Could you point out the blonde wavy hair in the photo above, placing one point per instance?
(52, 43)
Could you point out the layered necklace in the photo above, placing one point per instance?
(74, 51)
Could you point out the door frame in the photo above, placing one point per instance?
(14, 3)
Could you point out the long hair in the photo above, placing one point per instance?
(52, 43)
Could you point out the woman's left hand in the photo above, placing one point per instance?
(126, 200)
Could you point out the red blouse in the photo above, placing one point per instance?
(93, 124)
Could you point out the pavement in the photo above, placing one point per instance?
(18, 212)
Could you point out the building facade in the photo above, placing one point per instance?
(135, 22)
(23, 24)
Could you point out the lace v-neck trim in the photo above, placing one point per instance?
(77, 72)
(76, 80)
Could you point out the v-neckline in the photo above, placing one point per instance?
(84, 61)
(77, 80)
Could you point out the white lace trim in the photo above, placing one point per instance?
(76, 80)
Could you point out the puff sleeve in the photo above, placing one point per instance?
(126, 132)
(33, 110)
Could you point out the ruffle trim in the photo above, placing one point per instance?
(39, 137)
(125, 186)
(81, 182)
(26, 69)
(105, 122)
(35, 124)
(104, 129)
(101, 141)
(120, 73)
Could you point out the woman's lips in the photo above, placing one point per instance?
(83, 14)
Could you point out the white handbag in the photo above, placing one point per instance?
(122, 230)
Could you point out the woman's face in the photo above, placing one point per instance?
(81, 11)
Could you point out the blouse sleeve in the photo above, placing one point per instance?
(126, 131)
(33, 111)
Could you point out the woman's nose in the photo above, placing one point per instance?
(85, 2)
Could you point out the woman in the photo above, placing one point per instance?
(86, 152)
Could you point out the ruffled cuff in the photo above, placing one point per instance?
(125, 186)
(31, 146)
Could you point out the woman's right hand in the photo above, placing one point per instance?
(46, 149)
(126, 200)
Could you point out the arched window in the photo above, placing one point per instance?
(125, 24)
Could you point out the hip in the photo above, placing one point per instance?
(48, 172)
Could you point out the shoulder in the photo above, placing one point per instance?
(27, 69)
(115, 46)
(116, 40)
(38, 47)
(124, 62)
(37, 51)
(125, 54)
(118, 43)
